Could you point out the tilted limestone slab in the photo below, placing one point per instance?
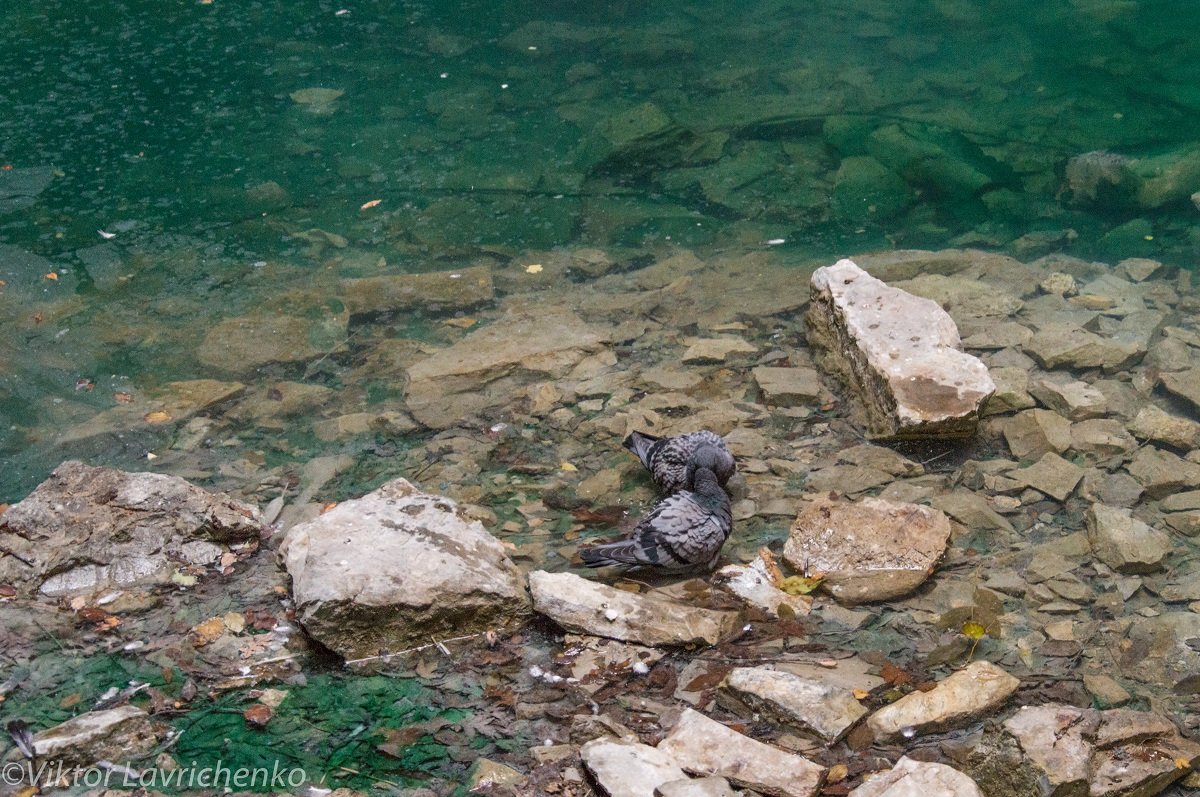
(869, 550)
(397, 568)
(490, 365)
(911, 778)
(703, 746)
(812, 707)
(899, 354)
(590, 608)
(962, 698)
(115, 734)
(628, 769)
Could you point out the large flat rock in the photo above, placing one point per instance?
(489, 366)
(431, 291)
(909, 778)
(869, 550)
(962, 698)
(243, 343)
(397, 568)
(629, 769)
(807, 705)
(587, 607)
(88, 530)
(116, 734)
(1101, 753)
(899, 354)
(703, 746)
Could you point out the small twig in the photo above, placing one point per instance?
(311, 366)
(435, 644)
(275, 660)
(4, 549)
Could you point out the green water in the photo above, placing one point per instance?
(165, 169)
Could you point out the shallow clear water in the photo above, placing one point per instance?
(169, 167)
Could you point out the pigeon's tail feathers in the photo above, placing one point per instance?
(641, 443)
(621, 553)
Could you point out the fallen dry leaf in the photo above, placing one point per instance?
(258, 715)
(328, 506)
(368, 205)
(894, 675)
(158, 416)
(122, 397)
(52, 276)
(235, 622)
(533, 268)
(768, 560)
(208, 631)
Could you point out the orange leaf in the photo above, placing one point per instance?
(371, 204)
(259, 714)
(123, 397)
(52, 276)
(328, 506)
(894, 675)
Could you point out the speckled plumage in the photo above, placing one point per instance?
(684, 531)
(667, 457)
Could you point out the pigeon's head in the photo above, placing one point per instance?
(717, 460)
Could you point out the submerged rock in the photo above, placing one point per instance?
(1125, 543)
(246, 342)
(488, 366)
(960, 699)
(900, 355)
(1102, 753)
(587, 607)
(870, 550)
(703, 746)
(397, 568)
(87, 530)
(431, 291)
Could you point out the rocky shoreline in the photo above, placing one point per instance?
(1047, 583)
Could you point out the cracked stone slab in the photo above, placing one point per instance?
(900, 355)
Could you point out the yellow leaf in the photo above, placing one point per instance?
(461, 323)
(567, 466)
(371, 204)
(158, 416)
(974, 630)
(800, 585)
(837, 773)
(1183, 763)
(533, 268)
(183, 579)
(861, 694)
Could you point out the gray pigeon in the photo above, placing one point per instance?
(667, 457)
(684, 531)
